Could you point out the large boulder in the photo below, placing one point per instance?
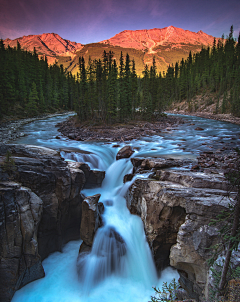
(125, 152)
(92, 211)
(93, 178)
(20, 215)
(176, 211)
(91, 218)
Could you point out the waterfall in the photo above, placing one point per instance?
(120, 246)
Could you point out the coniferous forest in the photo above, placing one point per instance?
(116, 93)
(29, 87)
(110, 91)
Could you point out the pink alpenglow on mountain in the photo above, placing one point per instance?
(47, 44)
(149, 38)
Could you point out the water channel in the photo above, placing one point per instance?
(131, 273)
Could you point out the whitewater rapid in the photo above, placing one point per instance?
(128, 274)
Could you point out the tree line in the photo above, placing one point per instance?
(110, 91)
(115, 93)
(215, 70)
(28, 86)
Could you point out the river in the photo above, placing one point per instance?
(130, 273)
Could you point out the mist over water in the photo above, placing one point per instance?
(61, 283)
(120, 266)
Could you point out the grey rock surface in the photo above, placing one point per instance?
(20, 215)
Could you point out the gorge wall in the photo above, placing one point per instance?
(176, 208)
(40, 210)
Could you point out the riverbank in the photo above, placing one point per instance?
(219, 117)
(11, 130)
(128, 131)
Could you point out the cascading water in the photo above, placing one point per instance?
(120, 246)
(119, 267)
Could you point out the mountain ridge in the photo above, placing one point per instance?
(50, 45)
(149, 38)
(168, 45)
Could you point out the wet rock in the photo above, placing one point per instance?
(91, 218)
(125, 152)
(72, 135)
(58, 184)
(160, 163)
(20, 215)
(94, 179)
(193, 179)
(107, 251)
(141, 165)
(161, 221)
(199, 129)
(128, 177)
(115, 245)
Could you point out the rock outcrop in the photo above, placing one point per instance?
(142, 45)
(151, 38)
(176, 208)
(91, 220)
(50, 45)
(39, 212)
(124, 152)
(20, 215)
(58, 185)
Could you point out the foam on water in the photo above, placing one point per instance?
(120, 266)
(61, 283)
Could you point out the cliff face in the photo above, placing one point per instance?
(39, 212)
(176, 208)
(20, 215)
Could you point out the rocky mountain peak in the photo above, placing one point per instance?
(146, 39)
(48, 44)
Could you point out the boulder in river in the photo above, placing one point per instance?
(125, 152)
(91, 218)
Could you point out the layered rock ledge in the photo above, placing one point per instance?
(40, 210)
(176, 208)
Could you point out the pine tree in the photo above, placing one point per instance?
(31, 107)
(121, 88)
(134, 88)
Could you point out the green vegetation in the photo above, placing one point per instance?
(108, 90)
(167, 293)
(95, 52)
(28, 86)
(229, 232)
(215, 70)
(8, 165)
(115, 94)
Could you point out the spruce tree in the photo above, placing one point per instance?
(33, 99)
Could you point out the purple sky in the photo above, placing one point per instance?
(87, 21)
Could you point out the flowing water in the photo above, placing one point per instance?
(120, 266)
